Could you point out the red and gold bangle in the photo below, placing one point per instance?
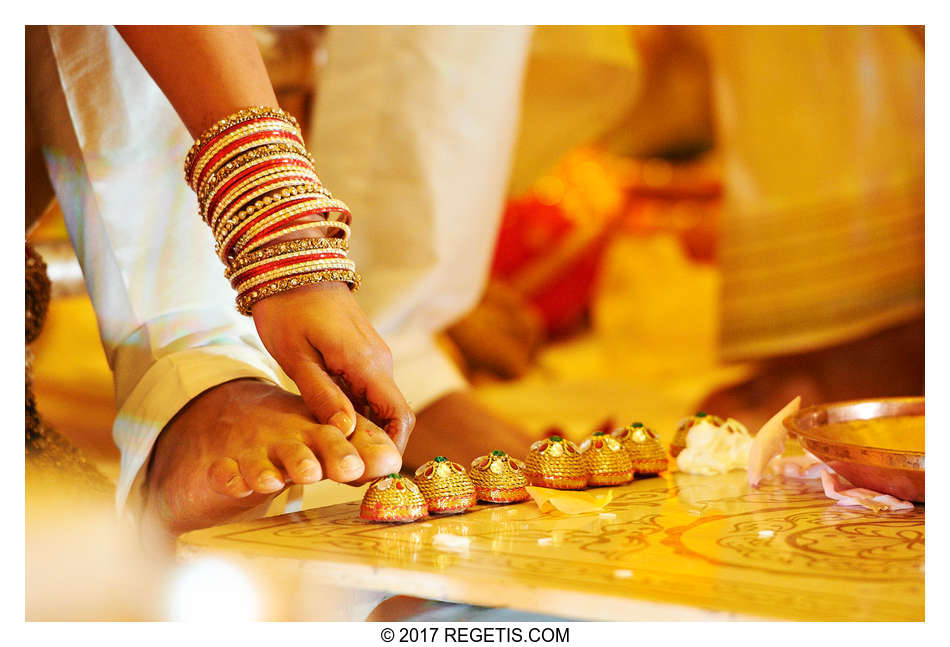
(292, 270)
(263, 197)
(282, 208)
(226, 190)
(287, 247)
(271, 264)
(241, 146)
(316, 224)
(246, 301)
(266, 186)
(255, 127)
(261, 226)
(241, 116)
(263, 152)
(256, 183)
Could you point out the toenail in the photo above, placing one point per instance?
(350, 463)
(269, 479)
(307, 465)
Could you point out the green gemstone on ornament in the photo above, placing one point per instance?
(600, 433)
(555, 439)
(497, 452)
(440, 459)
(637, 425)
(701, 414)
(394, 476)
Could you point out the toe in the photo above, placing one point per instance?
(226, 478)
(378, 451)
(259, 473)
(298, 462)
(340, 460)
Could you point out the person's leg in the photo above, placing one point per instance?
(114, 149)
(821, 131)
(414, 129)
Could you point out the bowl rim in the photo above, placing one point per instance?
(791, 423)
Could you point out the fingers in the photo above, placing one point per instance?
(391, 409)
(380, 455)
(321, 394)
(298, 462)
(225, 477)
(339, 458)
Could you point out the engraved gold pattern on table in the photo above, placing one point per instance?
(393, 498)
(678, 443)
(676, 546)
(645, 449)
(445, 486)
(556, 463)
(499, 478)
(607, 462)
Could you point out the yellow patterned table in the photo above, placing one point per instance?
(675, 546)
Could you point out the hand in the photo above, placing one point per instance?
(324, 342)
(241, 443)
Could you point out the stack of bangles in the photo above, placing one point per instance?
(256, 185)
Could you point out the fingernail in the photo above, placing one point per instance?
(350, 464)
(343, 422)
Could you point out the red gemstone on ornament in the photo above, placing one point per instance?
(599, 444)
(399, 485)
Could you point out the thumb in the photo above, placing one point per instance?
(321, 394)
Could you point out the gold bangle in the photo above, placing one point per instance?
(307, 245)
(295, 161)
(231, 137)
(246, 302)
(310, 201)
(256, 200)
(316, 224)
(277, 173)
(245, 114)
(269, 150)
(297, 268)
(313, 202)
(234, 269)
(245, 147)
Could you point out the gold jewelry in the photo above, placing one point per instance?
(272, 151)
(297, 268)
(246, 302)
(300, 246)
(319, 224)
(235, 135)
(245, 114)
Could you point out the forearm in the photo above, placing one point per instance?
(206, 72)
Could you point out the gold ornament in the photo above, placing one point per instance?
(499, 478)
(683, 427)
(445, 486)
(644, 448)
(393, 498)
(556, 463)
(606, 460)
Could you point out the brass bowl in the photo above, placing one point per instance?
(878, 456)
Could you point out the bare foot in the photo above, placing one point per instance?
(888, 363)
(238, 445)
(462, 428)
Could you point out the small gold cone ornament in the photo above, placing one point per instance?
(645, 449)
(499, 478)
(393, 498)
(445, 486)
(556, 463)
(607, 462)
(683, 427)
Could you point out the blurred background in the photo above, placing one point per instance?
(715, 218)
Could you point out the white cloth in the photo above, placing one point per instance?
(114, 147)
(414, 129)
